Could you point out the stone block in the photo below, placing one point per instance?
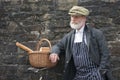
(23, 59)
(14, 1)
(9, 59)
(114, 47)
(66, 4)
(80, 1)
(8, 70)
(110, 0)
(33, 0)
(116, 73)
(12, 26)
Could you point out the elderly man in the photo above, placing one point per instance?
(86, 52)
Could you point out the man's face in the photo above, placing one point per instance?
(77, 22)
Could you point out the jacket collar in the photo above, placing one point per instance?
(87, 33)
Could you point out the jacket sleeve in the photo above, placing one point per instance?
(103, 50)
(59, 47)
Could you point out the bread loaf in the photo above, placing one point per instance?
(23, 47)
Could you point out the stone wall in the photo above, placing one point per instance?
(27, 21)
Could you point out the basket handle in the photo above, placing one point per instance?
(40, 42)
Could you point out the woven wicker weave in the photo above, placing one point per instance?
(40, 58)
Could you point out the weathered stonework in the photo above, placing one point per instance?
(27, 21)
(66, 4)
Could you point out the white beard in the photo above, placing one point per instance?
(76, 25)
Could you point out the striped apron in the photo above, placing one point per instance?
(86, 69)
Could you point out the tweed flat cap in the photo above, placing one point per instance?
(78, 10)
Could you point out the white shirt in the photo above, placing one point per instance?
(79, 36)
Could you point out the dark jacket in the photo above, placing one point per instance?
(98, 52)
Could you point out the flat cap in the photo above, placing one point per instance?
(78, 11)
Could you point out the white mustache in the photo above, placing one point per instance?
(76, 25)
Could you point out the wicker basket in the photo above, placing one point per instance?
(40, 58)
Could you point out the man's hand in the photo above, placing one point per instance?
(54, 57)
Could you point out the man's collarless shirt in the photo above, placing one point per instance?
(79, 36)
